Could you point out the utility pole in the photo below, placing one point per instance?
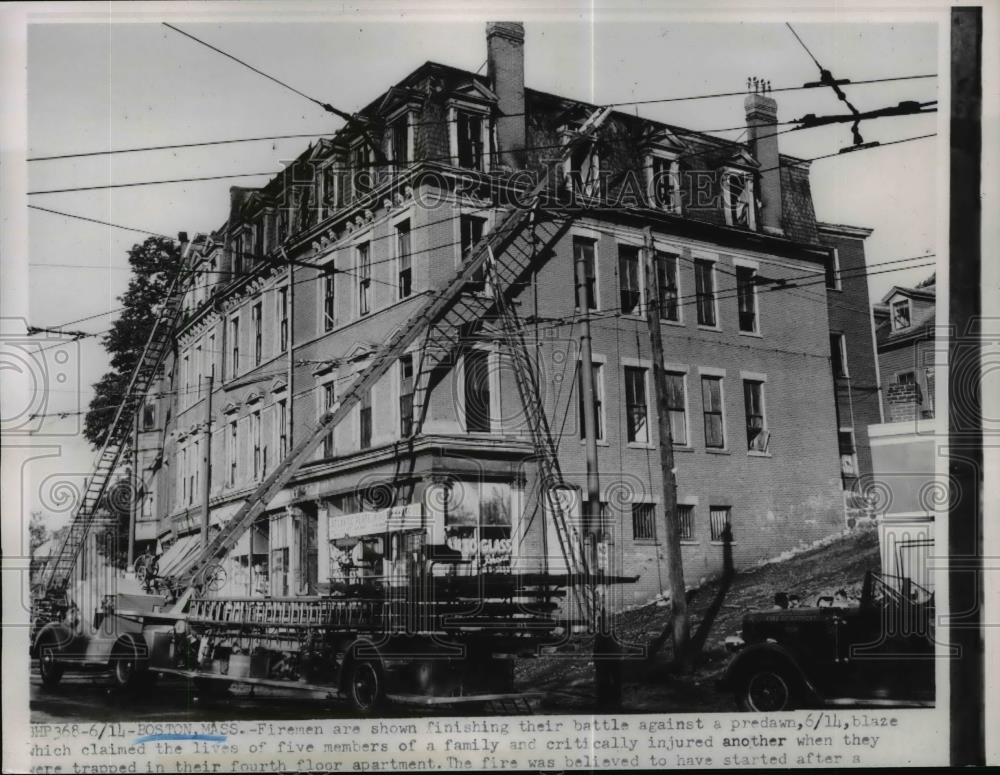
(136, 484)
(206, 462)
(675, 567)
(607, 664)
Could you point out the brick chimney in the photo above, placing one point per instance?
(762, 124)
(904, 402)
(505, 70)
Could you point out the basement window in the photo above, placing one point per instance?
(685, 521)
(721, 524)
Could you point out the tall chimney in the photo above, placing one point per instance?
(762, 124)
(505, 70)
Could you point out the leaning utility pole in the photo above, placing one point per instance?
(675, 566)
(206, 462)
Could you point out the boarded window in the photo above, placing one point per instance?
(720, 523)
(685, 522)
(643, 522)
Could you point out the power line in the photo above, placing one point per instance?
(98, 221)
(810, 53)
(154, 182)
(174, 147)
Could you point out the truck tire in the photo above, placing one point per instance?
(129, 663)
(364, 684)
(767, 687)
(49, 668)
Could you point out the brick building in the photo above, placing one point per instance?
(311, 273)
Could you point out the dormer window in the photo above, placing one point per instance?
(664, 183)
(900, 315)
(471, 139)
(738, 199)
(399, 141)
(331, 200)
(583, 170)
(361, 174)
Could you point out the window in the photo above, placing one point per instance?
(477, 392)
(329, 300)
(665, 184)
(236, 246)
(399, 141)
(666, 286)
(906, 378)
(282, 428)
(329, 399)
(364, 279)
(848, 456)
(232, 451)
(234, 347)
(330, 198)
(928, 411)
(361, 178)
(900, 315)
(210, 356)
(685, 521)
(704, 281)
(258, 333)
(711, 397)
(838, 355)
(737, 195)
(148, 417)
(584, 170)
(746, 298)
(282, 319)
(477, 523)
(404, 282)
(643, 522)
(183, 471)
(720, 523)
(258, 468)
(676, 404)
(365, 420)
(199, 362)
(472, 232)
(637, 410)
(753, 403)
(470, 140)
(833, 270)
(406, 396)
(598, 400)
(584, 248)
(472, 229)
(628, 280)
(186, 379)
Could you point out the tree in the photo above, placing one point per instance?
(38, 534)
(155, 263)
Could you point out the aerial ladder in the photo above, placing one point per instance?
(117, 438)
(445, 319)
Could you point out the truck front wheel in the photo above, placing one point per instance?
(50, 669)
(767, 687)
(364, 685)
(129, 664)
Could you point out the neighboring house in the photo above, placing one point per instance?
(904, 332)
(854, 368)
(370, 233)
(905, 489)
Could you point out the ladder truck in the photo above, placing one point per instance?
(421, 634)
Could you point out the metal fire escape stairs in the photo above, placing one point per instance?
(445, 318)
(117, 438)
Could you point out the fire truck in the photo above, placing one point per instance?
(420, 622)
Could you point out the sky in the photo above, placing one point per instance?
(98, 85)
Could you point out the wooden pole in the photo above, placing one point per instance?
(675, 567)
(136, 484)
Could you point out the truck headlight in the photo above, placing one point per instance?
(735, 643)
